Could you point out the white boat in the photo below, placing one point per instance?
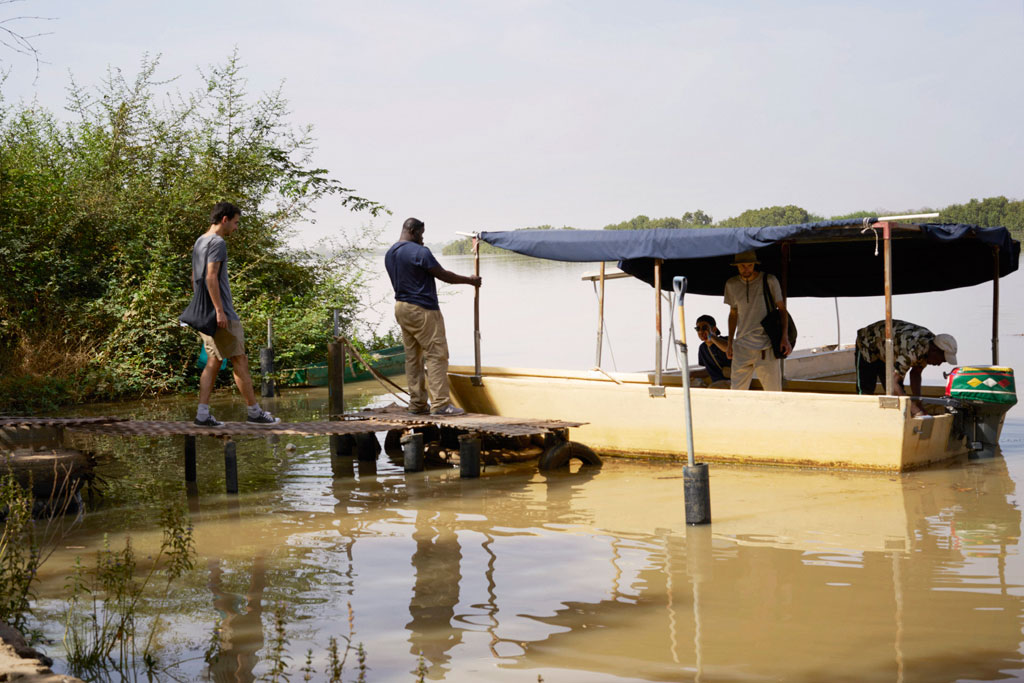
(818, 420)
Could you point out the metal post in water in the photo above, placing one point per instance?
(190, 458)
(412, 451)
(696, 484)
(230, 467)
(469, 456)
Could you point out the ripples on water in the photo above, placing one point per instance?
(590, 576)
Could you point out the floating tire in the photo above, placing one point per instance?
(559, 455)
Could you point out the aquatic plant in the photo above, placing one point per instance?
(102, 628)
(26, 543)
(19, 552)
(337, 657)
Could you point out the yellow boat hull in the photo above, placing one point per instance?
(799, 428)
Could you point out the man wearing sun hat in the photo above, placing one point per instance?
(749, 347)
(913, 348)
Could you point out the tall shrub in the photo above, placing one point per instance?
(98, 215)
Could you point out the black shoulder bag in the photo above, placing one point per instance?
(772, 322)
(200, 314)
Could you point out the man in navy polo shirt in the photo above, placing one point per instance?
(412, 269)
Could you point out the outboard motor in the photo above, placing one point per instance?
(985, 393)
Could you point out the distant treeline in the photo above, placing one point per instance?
(989, 212)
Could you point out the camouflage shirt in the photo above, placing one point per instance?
(910, 344)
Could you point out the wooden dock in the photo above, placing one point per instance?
(355, 426)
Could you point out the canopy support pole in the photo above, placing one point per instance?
(890, 364)
(995, 305)
(785, 302)
(600, 319)
(657, 323)
(477, 376)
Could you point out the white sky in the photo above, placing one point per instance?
(497, 115)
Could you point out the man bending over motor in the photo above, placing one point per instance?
(913, 347)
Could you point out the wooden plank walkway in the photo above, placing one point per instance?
(360, 426)
(364, 422)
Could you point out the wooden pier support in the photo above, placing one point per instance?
(230, 467)
(412, 450)
(267, 362)
(469, 456)
(367, 447)
(266, 370)
(336, 378)
(190, 458)
(341, 445)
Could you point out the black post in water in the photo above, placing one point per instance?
(697, 493)
(336, 378)
(412, 450)
(230, 467)
(696, 488)
(342, 445)
(190, 458)
(267, 369)
(469, 456)
(367, 447)
(192, 495)
(266, 361)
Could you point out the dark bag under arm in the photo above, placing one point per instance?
(772, 322)
(200, 314)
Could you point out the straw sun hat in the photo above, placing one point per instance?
(745, 257)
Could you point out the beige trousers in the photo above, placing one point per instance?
(745, 362)
(425, 346)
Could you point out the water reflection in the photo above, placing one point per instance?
(240, 635)
(435, 592)
(803, 575)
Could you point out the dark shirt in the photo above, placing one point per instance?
(713, 359)
(408, 265)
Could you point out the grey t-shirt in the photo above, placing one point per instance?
(211, 248)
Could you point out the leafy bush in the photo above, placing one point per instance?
(98, 216)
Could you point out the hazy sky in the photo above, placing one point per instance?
(495, 115)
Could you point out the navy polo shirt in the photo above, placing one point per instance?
(408, 265)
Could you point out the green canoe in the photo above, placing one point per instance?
(389, 361)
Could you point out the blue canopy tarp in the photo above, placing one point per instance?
(826, 259)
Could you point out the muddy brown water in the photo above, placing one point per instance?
(575, 576)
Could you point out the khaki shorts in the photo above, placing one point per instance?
(227, 342)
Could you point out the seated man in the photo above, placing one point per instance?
(913, 347)
(712, 351)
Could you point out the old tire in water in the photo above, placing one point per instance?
(560, 454)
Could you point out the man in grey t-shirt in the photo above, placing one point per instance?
(210, 263)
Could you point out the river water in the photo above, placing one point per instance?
(581, 576)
